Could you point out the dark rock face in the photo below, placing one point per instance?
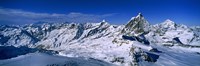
(140, 39)
(176, 40)
(79, 32)
(150, 57)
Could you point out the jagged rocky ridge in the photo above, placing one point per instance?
(132, 44)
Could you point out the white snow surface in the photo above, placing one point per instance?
(41, 59)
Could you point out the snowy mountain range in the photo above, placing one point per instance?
(137, 43)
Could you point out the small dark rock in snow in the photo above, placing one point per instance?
(155, 50)
(132, 38)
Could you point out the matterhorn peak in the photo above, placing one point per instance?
(138, 24)
(139, 15)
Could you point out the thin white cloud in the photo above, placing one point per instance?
(15, 16)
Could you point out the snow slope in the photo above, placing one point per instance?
(41, 59)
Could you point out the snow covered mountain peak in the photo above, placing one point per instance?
(139, 15)
(169, 30)
(137, 25)
(168, 22)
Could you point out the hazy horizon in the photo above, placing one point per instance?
(115, 12)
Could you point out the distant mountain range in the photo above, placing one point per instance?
(138, 43)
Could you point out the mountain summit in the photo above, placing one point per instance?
(169, 24)
(137, 25)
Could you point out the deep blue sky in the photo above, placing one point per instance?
(155, 11)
